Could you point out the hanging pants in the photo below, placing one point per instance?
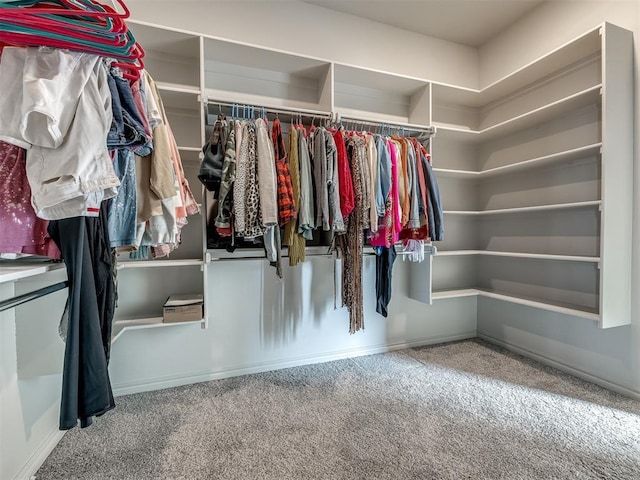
(384, 268)
(86, 388)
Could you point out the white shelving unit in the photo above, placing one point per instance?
(546, 166)
(534, 169)
(173, 59)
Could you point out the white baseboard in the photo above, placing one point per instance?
(234, 371)
(35, 461)
(622, 389)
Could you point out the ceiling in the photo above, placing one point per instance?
(469, 22)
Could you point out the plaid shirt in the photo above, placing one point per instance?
(287, 210)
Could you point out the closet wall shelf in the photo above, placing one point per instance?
(120, 326)
(539, 256)
(470, 292)
(564, 156)
(159, 263)
(533, 208)
(177, 87)
(528, 119)
(573, 51)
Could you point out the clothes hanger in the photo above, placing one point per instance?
(94, 28)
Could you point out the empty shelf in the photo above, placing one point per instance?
(533, 208)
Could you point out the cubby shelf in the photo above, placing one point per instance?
(575, 311)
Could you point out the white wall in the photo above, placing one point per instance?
(306, 29)
(605, 355)
(258, 323)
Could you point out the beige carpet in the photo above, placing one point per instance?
(465, 410)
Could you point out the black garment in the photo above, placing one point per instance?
(86, 389)
(384, 268)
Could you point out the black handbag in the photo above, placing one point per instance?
(210, 172)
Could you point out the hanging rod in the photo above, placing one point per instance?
(279, 111)
(27, 297)
(427, 131)
(333, 116)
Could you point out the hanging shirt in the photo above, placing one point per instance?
(292, 238)
(305, 211)
(266, 176)
(287, 210)
(320, 159)
(372, 159)
(344, 176)
(22, 231)
(225, 197)
(333, 185)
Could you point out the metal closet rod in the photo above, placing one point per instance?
(27, 297)
(334, 117)
(258, 109)
(394, 126)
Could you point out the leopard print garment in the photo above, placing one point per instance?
(253, 217)
(352, 244)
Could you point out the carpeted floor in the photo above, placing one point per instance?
(465, 410)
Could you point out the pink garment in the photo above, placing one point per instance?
(22, 231)
(390, 225)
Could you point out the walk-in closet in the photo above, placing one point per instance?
(356, 239)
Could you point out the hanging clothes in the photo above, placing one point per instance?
(86, 388)
(292, 237)
(286, 203)
(351, 244)
(22, 231)
(385, 258)
(306, 222)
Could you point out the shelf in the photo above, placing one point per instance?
(178, 88)
(536, 303)
(539, 256)
(382, 97)
(253, 75)
(564, 156)
(534, 208)
(529, 119)
(568, 54)
(120, 326)
(159, 263)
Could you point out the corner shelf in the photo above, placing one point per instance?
(536, 303)
(121, 326)
(539, 256)
(526, 120)
(559, 157)
(533, 208)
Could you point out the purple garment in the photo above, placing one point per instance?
(21, 231)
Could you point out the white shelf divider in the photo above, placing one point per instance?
(470, 292)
